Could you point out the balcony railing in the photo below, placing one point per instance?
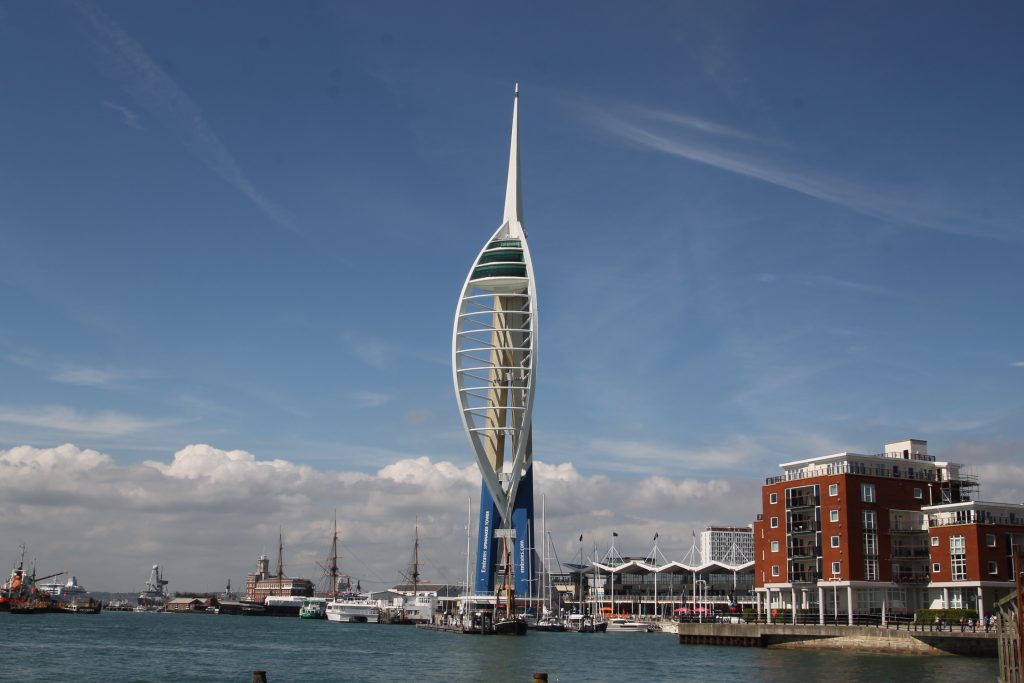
(804, 551)
(910, 553)
(910, 577)
(885, 467)
(974, 517)
(802, 502)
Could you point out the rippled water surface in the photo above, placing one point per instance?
(124, 646)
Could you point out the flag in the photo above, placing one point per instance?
(581, 538)
(615, 533)
(655, 535)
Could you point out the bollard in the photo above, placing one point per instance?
(259, 677)
(540, 677)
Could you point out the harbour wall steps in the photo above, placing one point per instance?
(852, 638)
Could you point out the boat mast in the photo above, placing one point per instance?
(469, 522)
(280, 561)
(334, 560)
(416, 562)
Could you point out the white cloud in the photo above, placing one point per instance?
(206, 514)
(62, 418)
(1018, 364)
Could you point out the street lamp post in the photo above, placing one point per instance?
(701, 588)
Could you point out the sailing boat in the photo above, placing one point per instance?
(510, 624)
(316, 607)
(422, 607)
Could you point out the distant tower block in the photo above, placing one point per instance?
(494, 350)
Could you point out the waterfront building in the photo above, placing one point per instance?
(640, 586)
(847, 536)
(261, 583)
(727, 545)
(494, 347)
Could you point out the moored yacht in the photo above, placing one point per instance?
(623, 625)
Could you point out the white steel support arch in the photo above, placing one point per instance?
(494, 349)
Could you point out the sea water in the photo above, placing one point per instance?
(128, 646)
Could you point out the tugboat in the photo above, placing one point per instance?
(14, 583)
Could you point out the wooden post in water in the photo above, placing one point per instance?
(540, 677)
(259, 677)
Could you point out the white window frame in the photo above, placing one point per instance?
(936, 568)
(867, 493)
(993, 567)
(773, 498)
(775, 546)
(834, 542)
(775, 570)
(990, 540)
(958, 557)
(869, 520)
(935, 541)
(833, 515)
(833, 489)
(773, 522)
(918, 493)
(837, 568)
(871, 569)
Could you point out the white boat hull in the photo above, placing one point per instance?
(353, 612)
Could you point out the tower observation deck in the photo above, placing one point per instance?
(494, 351)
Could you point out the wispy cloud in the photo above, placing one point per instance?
(1018, 364)
(839, 283)
(152, 87)
(128, 117)
(65, 419)
(635, 125)
(63, 372)
(369, 399)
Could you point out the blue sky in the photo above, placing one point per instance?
(761, 232)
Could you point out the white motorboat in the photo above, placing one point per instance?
(621, 625)
(353, 608)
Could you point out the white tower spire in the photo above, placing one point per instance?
(513, 198)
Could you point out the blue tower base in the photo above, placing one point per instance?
(523, 569)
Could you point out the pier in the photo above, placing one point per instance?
(852, 638)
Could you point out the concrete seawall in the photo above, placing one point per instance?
(853, 638)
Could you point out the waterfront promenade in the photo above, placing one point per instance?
(879, 639)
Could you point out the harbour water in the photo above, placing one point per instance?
(126, 646)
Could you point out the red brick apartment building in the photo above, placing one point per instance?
(850, 535)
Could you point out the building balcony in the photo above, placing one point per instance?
(799, 528)
(911, 577)
(910, 553)
(804, 577)
(804, 551)
(802, 502)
